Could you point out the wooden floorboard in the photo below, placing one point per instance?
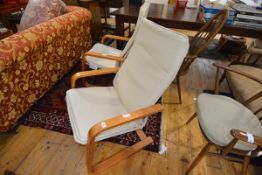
(39, 151)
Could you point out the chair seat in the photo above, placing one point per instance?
(219, 114)
(243, 88)
(88, 106)
(95, 63)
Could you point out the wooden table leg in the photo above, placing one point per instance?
(120, 31)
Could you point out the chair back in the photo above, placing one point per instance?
(142, 14)
(150, 68)
(205, 35)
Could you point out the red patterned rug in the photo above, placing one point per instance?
(50, 112)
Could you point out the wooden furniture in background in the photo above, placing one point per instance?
(200, 42)
(172, 17)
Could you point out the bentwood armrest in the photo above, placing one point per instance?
(123, 119)
(83, 74)
(104, 56)
(112, 123)
(243, 136)
(115, 37)
(238, 72)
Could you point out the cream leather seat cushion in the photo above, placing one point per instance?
(219, 114)
(88, 106)
(243, 88)
(95, 63)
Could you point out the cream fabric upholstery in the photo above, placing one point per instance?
(219, 114)
(143, 12)
(243, 88)
(96, 63)
(140, 77)
(88, 106)
(144, 76)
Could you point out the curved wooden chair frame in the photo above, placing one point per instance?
(104, 38)
(112, 123)
(237, 134)
(200, 42)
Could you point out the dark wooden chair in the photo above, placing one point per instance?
(200, 42)
(230, 127)
(233, 127)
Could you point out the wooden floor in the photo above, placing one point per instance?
(39, 151)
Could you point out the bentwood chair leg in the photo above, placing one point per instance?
(191, 118)
(199, 157)
(179, 89)
(245, 165)
(222, 77)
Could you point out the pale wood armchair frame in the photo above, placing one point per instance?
(237, 134)
(112, 123)
(111, 57)
(100, 56)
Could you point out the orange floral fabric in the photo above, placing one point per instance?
(33, 60)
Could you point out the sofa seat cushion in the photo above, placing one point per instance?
(219, 114)
(89, 106)
(243, 88)
(95, 63)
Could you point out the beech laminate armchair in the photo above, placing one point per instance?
(95, 63)
(143, 77)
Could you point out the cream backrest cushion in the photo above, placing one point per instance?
(151, 65)
(142, 14)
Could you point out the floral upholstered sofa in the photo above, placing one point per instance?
(35, 59)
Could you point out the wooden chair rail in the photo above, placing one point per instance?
(104, 56)
(253, 98)
(238, 72)
(83, 74)
(115, 37)
(112, 123)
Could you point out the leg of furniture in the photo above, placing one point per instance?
(191, 118)
(245, 165)
(179, 89)
(120, 31)
(114, 159)
(199, 157)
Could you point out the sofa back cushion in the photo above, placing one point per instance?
(38, 11)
